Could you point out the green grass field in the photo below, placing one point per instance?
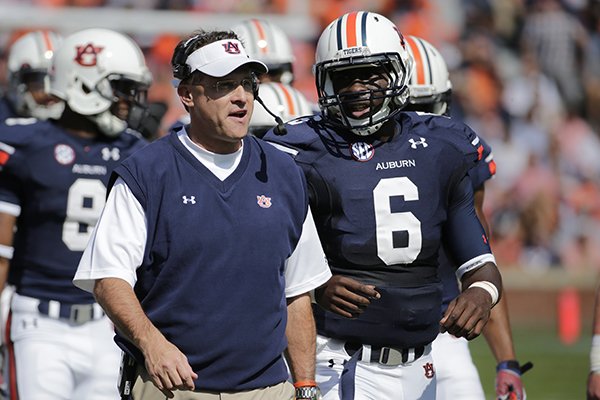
(559, 372)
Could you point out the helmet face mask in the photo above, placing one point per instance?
(338, 103)
(102, 75)
(358, 40)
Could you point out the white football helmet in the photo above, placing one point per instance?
(28, 62)
(282, 100)
(430, 86)
(94, 69)
(357, 40)
(268, 43)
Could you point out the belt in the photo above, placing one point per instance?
(75, 313)
(389, 356)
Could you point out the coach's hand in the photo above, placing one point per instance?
(168, 367)
(467, 314)
(345, 296)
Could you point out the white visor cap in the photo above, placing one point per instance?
(222, 57)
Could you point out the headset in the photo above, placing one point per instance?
(181, 70)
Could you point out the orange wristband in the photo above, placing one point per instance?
(305, 384)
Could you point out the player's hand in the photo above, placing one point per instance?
(168, 368)
(467, 314)
(345, 296)
(593, 386)
(508, 381)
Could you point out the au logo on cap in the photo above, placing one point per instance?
(231, 47)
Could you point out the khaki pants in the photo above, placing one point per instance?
(144, 389)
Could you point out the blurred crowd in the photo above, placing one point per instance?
(526, 77)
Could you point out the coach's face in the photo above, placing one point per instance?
(220, 109)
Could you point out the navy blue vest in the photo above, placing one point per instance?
(212, 278)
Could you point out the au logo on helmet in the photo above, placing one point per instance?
(87, 56)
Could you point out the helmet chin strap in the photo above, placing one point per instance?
(109, 124)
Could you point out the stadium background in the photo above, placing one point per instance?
(526, 76)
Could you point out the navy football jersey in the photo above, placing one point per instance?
(6, 110)
(212, 277)
(382, 209)
(59, 182)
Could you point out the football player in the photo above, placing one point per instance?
(28, 61)
(457, 377)
(387, 190)
(52, 188)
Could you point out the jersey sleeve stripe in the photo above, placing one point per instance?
(10, 208)
(285, 149)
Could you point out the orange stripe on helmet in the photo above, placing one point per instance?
(417, 56)
(47, 40)
(351, 29)
(261, 35)
(288, 98)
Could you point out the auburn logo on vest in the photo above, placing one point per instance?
(263, 201)
(429, 372)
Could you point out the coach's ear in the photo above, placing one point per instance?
(185, 95)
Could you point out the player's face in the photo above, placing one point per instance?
(358, 87)
(127, 93)
(221, 109)
(35, 85)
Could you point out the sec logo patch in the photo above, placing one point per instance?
(64, 154)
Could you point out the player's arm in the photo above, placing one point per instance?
(593, 383)
(467, 243)
(497, 331)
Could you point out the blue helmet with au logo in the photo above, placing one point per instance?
(357, 40)
(93, 70)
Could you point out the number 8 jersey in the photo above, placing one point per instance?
(383, 209)
(55, 183)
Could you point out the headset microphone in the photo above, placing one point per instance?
(280, 128)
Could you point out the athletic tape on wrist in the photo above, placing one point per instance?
(488, 287)
(595, 354)
(6, 251)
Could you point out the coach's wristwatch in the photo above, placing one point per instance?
(308, 393)
(307, 390)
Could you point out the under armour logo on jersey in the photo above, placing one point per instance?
(429, 372)
(231, 48)
(414, 143)
(362, 151)
(263, 201)
(111, 154)
(87, 56)
(189, 200)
